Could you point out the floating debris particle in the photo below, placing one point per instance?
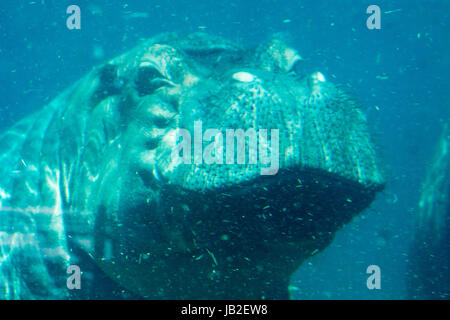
(212, 257)
(199, 257)
(393, 11)
(136, 15)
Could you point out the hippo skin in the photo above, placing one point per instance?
(90, 180)
(428, 274)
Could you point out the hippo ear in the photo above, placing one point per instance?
(276, 55)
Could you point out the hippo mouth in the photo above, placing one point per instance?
(272, 213)
(256, 232)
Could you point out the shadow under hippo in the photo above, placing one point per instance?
(93, 180)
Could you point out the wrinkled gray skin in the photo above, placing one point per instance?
(89, 179)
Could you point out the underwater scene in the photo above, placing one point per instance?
(216, 150)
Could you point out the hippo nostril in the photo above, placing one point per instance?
(293, 59)
(295, 66)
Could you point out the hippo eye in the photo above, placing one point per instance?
(296, 67)
(149, 79)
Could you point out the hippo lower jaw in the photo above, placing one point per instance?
(242, 242)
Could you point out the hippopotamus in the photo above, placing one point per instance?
(429, 253)
(91, 180)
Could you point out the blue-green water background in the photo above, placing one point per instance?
(400, 74)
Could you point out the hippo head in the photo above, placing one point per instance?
(203, 210)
